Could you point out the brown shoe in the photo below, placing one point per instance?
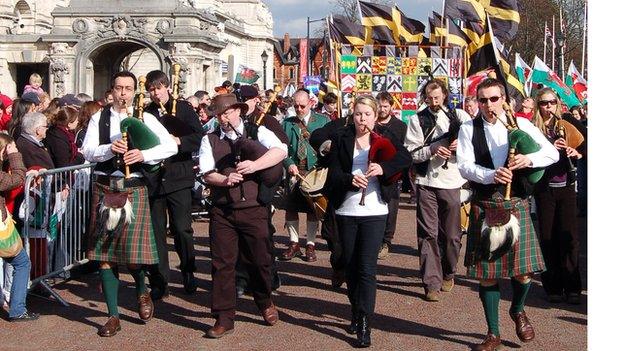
(491, 343)
(218, 331)
(310, 254)
(293, 251)
(432, 296)
(146, 307)
(270, 315)
(111, 327)
(524, 329)
(447, 285)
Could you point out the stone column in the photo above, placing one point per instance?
(60, 58)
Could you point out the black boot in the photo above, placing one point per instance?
(352, 329)
(363, 331)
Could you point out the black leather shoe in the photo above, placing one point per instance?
(25, 317)
(190, 284)
(352, 328)
(363, 331)
(159, 293)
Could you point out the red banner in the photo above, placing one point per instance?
(303, 59)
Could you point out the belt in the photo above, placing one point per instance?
(129, 182)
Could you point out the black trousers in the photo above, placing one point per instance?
(558, 236)
(393, 211)
(329, 232)
(178, 205)
(361, 239)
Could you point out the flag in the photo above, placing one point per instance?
(541, 74)
(464, 10)
(436, 29)
(388, 22)
(456, 36)
(473, 81)
(480, 51)
(504, 17)
(246, 75)
(341, 30)
(524, 72)
(575, 80)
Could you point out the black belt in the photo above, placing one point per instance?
(128, 182)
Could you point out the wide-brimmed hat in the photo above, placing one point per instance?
(223, 102)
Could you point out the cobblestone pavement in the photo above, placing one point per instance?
(312, 314)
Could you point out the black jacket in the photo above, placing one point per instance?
(33, 154)
(60, 149)
(340, 179)
(177, 171)
(396, 126)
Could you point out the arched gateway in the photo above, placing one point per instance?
(81, 43)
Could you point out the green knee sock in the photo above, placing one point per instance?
(490, 297)
(520, 292)
(139, 279)
(110, 286)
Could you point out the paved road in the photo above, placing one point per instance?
(313, 315)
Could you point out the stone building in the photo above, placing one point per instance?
(76, 45)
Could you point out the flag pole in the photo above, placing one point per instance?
(545, 28)
(584, 41)
(553, 34)
(563, 36)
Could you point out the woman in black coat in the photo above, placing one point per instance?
(361, 227)
(60, 139)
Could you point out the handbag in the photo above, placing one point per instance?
(10, 240)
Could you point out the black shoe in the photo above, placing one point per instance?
(276, 282)
(190, 284)
(363, 331)
(352, 329)
(25, 317)
(159, 293)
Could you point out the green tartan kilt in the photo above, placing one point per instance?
(523, 258)
(135, 244)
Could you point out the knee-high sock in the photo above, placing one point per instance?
(490, 297)
(293, 227)
(110, 287)
(312, 228)
(520, 292)
(139, 279)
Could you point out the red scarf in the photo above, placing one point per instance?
(69, 135)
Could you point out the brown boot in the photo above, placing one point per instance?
(310, 254)
(219, 330)
(146, 307)
(524, 329)
(111, 327)
(293, 251)
(270, 315)
(491, 343)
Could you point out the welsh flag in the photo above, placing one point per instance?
(541, 74)
(246, 75)
(473, 81)
(524, 72)
(575, 80)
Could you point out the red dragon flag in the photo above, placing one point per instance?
(575, 80)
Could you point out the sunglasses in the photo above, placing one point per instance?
(492, 99)
(547, 102)
(300, 106)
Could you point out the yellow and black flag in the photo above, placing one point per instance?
(341, 30)
(389, 20)
(436, 28)
(465, 10)
(504, 17)
(456, 36)
(480, 51)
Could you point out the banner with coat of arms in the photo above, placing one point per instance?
(402, 77)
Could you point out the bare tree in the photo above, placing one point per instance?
(349, 8)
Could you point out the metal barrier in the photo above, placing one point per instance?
(54, 219)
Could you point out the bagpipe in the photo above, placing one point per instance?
(170, 121)
(573, 138)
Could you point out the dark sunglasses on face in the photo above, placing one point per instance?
(547, 102)
(491, 98)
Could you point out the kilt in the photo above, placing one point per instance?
(523, 258)
(293, 199)
(135, 244)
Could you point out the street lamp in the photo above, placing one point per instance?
(560, 46)
(307, 54)
(264, 57)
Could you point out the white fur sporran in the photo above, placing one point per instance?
(498, 240)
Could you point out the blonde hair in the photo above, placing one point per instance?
(538, 119)
(35, 78)
(367, 100)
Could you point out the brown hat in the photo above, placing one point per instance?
(222, 102)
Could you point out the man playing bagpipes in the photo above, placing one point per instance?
(234, 166)
(438, 184)
(501, 239)
(121, 226)
(170, 193)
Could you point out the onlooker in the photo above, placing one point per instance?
(87, 110)
(471, 106)
(70, 100)
(194, 101)
(330, 106)
(526, 110)
(20, 262)
(52, 109)
(203, 97)
(34, 126)
(44, 99)
(83, 97)
(60, 138)
(34, 85)
(108, 98)
(6, 107)
(19, 109)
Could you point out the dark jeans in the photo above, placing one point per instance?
(361, 239)
(558, 236)
(393, 211)
(178, 206)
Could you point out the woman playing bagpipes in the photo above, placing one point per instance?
(363, 166)
(555, 197)
(121, 226)
(501, 239)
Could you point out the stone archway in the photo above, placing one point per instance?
(105, 58)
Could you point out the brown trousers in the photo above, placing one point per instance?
(439, 234)
(233, 231)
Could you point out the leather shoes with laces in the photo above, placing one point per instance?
(310, 253)
(218, 331)
(190, 284)
(524, 329)
(146, 307)
(270, 315)
(111, 327)
(293, 251)
(491, 343)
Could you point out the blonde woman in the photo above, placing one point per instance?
(361, 228)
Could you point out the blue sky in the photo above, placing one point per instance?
(289, 16)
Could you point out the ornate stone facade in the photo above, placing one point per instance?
(78, 44)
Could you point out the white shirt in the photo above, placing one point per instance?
(374, 205)
(94, 152)
(497, 142)
(266, 137)
(436, 176)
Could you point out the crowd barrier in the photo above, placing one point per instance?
(53, 219)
